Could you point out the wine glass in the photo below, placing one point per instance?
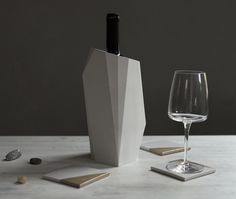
(188, 103)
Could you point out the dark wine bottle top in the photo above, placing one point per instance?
(112, 40)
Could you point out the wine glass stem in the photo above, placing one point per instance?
(187, 126)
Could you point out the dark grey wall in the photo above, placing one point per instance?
(44, 44)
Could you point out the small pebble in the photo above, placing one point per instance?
(35, 161)
(21, 180)
(13, 155)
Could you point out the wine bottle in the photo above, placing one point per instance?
(112, 40)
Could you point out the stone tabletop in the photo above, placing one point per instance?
(130, 181)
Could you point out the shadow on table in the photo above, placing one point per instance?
(51, 163)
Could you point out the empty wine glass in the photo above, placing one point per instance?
(188, 103)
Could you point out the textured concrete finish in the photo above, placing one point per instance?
(133, 181)
(115, 108)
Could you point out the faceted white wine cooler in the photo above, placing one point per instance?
(114, 106)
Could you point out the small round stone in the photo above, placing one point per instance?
(13, 155)
(21, 179)
(35, 161)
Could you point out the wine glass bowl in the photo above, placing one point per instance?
(188, 103)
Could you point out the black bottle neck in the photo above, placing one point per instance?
(112, 40)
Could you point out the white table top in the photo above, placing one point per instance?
(130, 181)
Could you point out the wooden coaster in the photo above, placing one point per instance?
(162, 147)
(167, 150)
(82, 181)
(76, 176)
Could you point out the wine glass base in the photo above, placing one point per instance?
(179, 166)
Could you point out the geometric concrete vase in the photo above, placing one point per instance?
(114, 106)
